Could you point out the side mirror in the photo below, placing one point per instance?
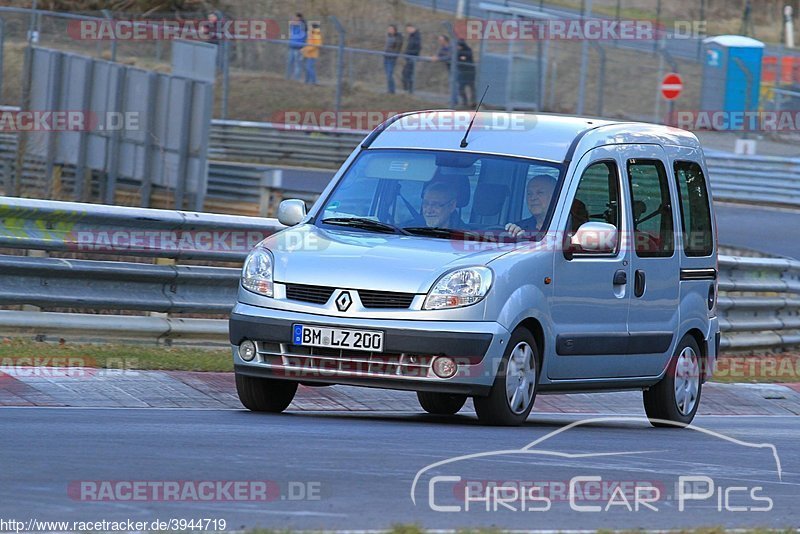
(291, 211)
(597, 237)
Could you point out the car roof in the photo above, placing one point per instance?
(542, 136)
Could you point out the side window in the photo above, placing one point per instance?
(695, 211)
(653, 228)
(597, 197)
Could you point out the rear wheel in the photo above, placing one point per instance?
(514, 390)
(441, 403)
(676, 397)
(265, 394)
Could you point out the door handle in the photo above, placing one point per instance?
(620, 278)
(639, 283)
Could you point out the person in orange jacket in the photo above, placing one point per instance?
(311, 53)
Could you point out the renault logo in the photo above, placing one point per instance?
(343, 301)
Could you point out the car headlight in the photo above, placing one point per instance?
(458, 288)
(257, 272)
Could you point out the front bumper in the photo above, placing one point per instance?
(405, 363)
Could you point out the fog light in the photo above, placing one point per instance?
(247, 350)
(444, 367)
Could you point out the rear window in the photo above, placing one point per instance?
(698, 239)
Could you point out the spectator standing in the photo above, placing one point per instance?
(311, 53)
(465, 73)
(394, 46)
(413, 48)
(298, 33)
(443, 54)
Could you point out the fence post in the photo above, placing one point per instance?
(453, 64)
(2, 47)
(587, 13)
(339, 62)
(225, 60)
(601, 77)
(110, 18)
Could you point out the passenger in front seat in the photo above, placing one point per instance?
(538, 194)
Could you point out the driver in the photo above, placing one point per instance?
(538, 194)
(439, 206)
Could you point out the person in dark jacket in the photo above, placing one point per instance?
(443, 55)
(298, 33)
(413, 48)
(394, 46)
(465, 73)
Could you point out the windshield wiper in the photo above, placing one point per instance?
(366, 224)
(448, 233)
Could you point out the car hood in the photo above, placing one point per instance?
(350, 259)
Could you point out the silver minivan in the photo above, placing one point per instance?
(526, 254)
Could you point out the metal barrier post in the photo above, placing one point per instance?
(112, 161)
(339, 63)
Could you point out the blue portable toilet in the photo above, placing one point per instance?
(731, 73)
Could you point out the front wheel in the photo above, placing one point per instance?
(265, 394)
(675, 399)
(441, 403)
(514, 390)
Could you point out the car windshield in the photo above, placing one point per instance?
(442, 194)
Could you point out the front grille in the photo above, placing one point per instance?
(313, 294)
(385, 299)
(322, 361)
(369, 298)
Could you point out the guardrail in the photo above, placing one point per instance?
(759, 298)
(265, 142)
(759, 302)
(761, 179)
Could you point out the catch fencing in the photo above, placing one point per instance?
(759, 299)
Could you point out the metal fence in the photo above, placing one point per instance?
(759, 297)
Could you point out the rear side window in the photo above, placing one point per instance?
(698, 239)
(652, 210)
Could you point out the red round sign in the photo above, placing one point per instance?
(671, 86)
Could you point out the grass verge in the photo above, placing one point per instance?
(16, 353)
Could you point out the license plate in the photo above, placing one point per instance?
(338, 338)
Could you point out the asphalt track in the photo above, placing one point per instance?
(359, 468)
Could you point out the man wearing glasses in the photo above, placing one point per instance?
(439, 206)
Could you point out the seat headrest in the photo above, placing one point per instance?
(457, 182)
(489, 199)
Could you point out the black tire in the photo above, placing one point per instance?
(495, 409)
(664, 406)
(441, 403)
(265, 394)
